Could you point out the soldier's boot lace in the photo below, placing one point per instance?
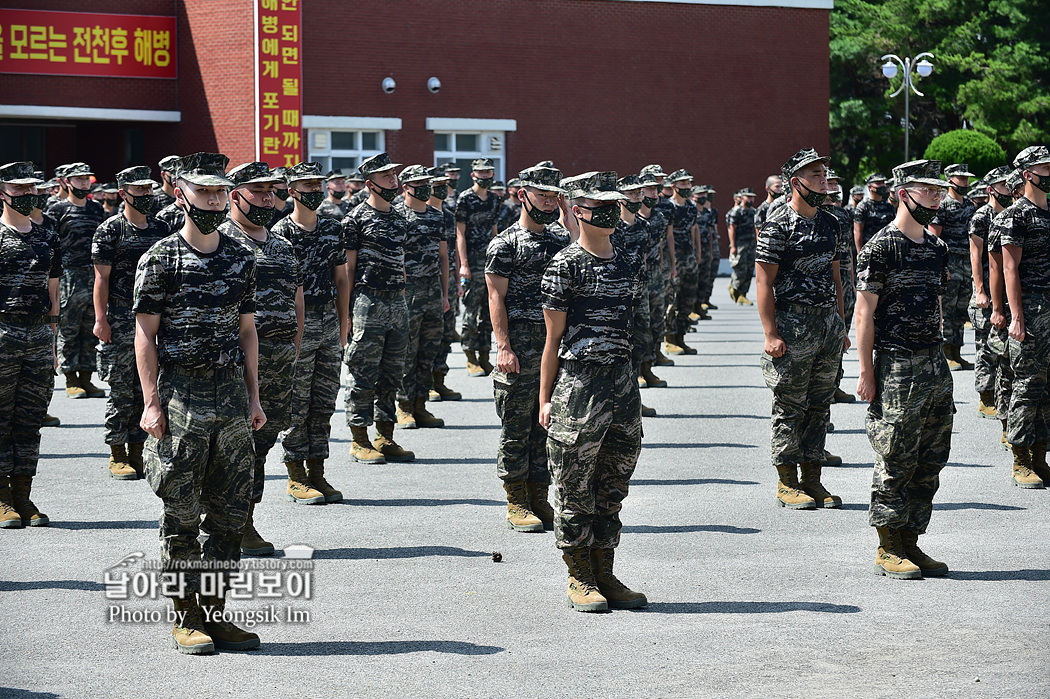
(618, 595)
(315, 478)
(891, 559)
(520, 517)
(1023, 475)
(361, 449)
(298, 491)
(931, 568)
(810, 484)
(583, 594)
(187, 632)
(788, 492)
(120, 466)
(405, 419)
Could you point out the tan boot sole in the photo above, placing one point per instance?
(897, 575)
(198, 649)
(593, 607)
(525, 527)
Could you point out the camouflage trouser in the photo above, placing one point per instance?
(984, 359)
(315, 386)
(477, 327)
(849, 305)
(909, 425)
(76, 325)
(803, 384)
(117, 367)
(1029, 360)
(642, 349)
(376, 355)
(999, 346)
(425, 327)
(956, 298)
(522, 441)
(656, 308)
(703, 275)
(449, 325)
(709, 284)
(593, 443)
(685, 289)
(27, 377)
(670, 299)
(276, 372)
(743, 263)
(202, 466)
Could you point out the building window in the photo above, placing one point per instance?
(462, 147)
(344, 150)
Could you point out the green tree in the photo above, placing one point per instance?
(971, 147)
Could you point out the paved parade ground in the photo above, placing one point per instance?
(746, 599)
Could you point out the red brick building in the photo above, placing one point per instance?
(727, 90)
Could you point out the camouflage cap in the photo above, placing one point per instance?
(77, 170)
(857, 189)
(377, 163)
(1032, 155)
(95, 188)
(49, 184)
(203, 169)
(438, 174)
(679, 174)
(648, 179)
(710, 189)
(39, 174)
(746, 192)
(334, 175)
(1015, 180)
(19, 173)
(997, 175)
(573, 186)
(833, 176)
(654, 170)
(497, 184)
(305, 171)
(801, 159)
(281, 173)
(958, 170)
(167, 163)
(545, 163)
(108, 188)
(513, 182)
(450, 167)
(874, 177)
(252, 173)
(482, 164)
(355, 177)
(629, 182)
(138, 176)
(919, 172)
(601, 186)
(697, 190)
(414, 173)
(543, 178)
(60, 171)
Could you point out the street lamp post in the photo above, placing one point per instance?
(921, 66)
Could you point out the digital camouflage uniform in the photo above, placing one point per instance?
(687, 278)
(336, 212)
(521, 257)
(172, 215)
(356, 198)
(654, 285)
(985, 361)
(27, 262)
(849, 289)
(703, 270)
(119, 245)
(873, 216)
(709, 219)
(509, 213)
(595, 432)
(277, 279)
(76, 226)
(315, 386)
(999, 340)
(426, 324)
(635, 240)
(803, 379)
(743, 262)
(955, 217)
(203, 464)
(376, 354)
(909, 422)
(449, 317)
(659, 219)
(479, 217)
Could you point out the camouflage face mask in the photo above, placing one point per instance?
(422, 192)
(258, 215)
(79, 193)
(281, 194)
(684, 192)
(962, 189)
(440, 191)
(633, 206)
(339, 194)
(143, 204)
(924, 215)
(41, 201)
(604, 216)
(384, 193)
(485, 182)
(882, 191)
(539, 216)
(23, 204)
(649, 202)
(1004, 200)
(812, 198)
(311, 200)
(1041, 182)
(206, 220)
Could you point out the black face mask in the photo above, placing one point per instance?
(311, 200)
(812, 198)
(924, 215)
(422, 192)
(538, 215)
(774, 194)
(207, 221)
(79, 193)
(258, 215)
(632, 206)
(143, 204)
(281, 194)
(384, 193)
(711, 197)
(684, 193)
(41, 201)
(23, 204)
(337, 194)
(604, 216)
(484, 182)
(440, 191)
(962, 189)
(649, 202)
(1004, 200)
(883, 192)
(1041, 182)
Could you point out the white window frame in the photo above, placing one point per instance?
(490, 133)
(319, 130)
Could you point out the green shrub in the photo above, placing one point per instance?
(971, 147)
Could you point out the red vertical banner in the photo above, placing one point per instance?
(278, 79)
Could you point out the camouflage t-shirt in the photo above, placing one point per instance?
(509, 213)
(955, 217)
(657, 237)
(448, 216)
(356, 198)
(634, 238)
(319, 252)
(598, 297)
(685, 216)
(280, 211)
(1025, 225)
(425, 231)
(873, 216)
(844, 236)
(479, 216)
(173, 216)
(743, 217)
(379, 239)
(199, 298)
(160, 200)
(804, 249)
(27, 262)
(761, 212)
(908, 278)
(277, 279)
(336, 212)
(521, 256)
(120, 245)
(76, 226)
(980, 224)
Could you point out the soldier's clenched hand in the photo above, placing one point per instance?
(507, 361)
(257, 414)
(153, 421)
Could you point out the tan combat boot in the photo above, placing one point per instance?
(483, 361)
(694, 316)
(618, 595)
(732, 293)
(21, 487)
(315, 478)
(686, 349)
(90, 389)
(1024, 476)
(743, 300)
(120, 465)
(789, 494)
(443, 392)
(930, 567)
(538, 504)
(361, 449)
(187, 633)
(225, 635)
(520, 517)
(810, 484)
(1003, 441)
(950, 355)
(986, 408)
(9, 517)
(671, 345)
(1039, 466)
(583, 594)
(424, 418)
(385, 444)
(661, 359)
(252, 544)
(651, 379)
(891, 559)
(405, 419)
(298, 490)
(73, 387)
(473, 368)
(135, 459)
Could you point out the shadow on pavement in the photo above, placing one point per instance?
(955, 465)
(108, 524)
(353, 554)
(718, 417)
(78, 455)
(974, 506)
(699, 445)
(857, 506)
(22, 585)
(472, 427)
(25, 694)
(314, 648)
(686, 528)
(419, 502)
(690, 481)
(1000, 575)
(748, 607)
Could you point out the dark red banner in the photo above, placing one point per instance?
(278, 61)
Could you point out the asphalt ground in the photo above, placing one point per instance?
(746, 599)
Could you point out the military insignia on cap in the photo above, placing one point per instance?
(482, 164)
(252, 173)
(204, 169)
(801, 159)
(138, 176)
(305, 171)
(679, 174)
(19, 173)
(414, 173)
(958, 170)
(1032, 155)
(547, 179)
(919, 172)
(377, 163)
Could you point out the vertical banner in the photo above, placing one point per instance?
(278, 79)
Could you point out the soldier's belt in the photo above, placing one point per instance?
(380, 293)
(924, 352)
(578, 367)
(806, 310)
(215, 373)
(319, 307)
(115, 302)
(26, 319)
